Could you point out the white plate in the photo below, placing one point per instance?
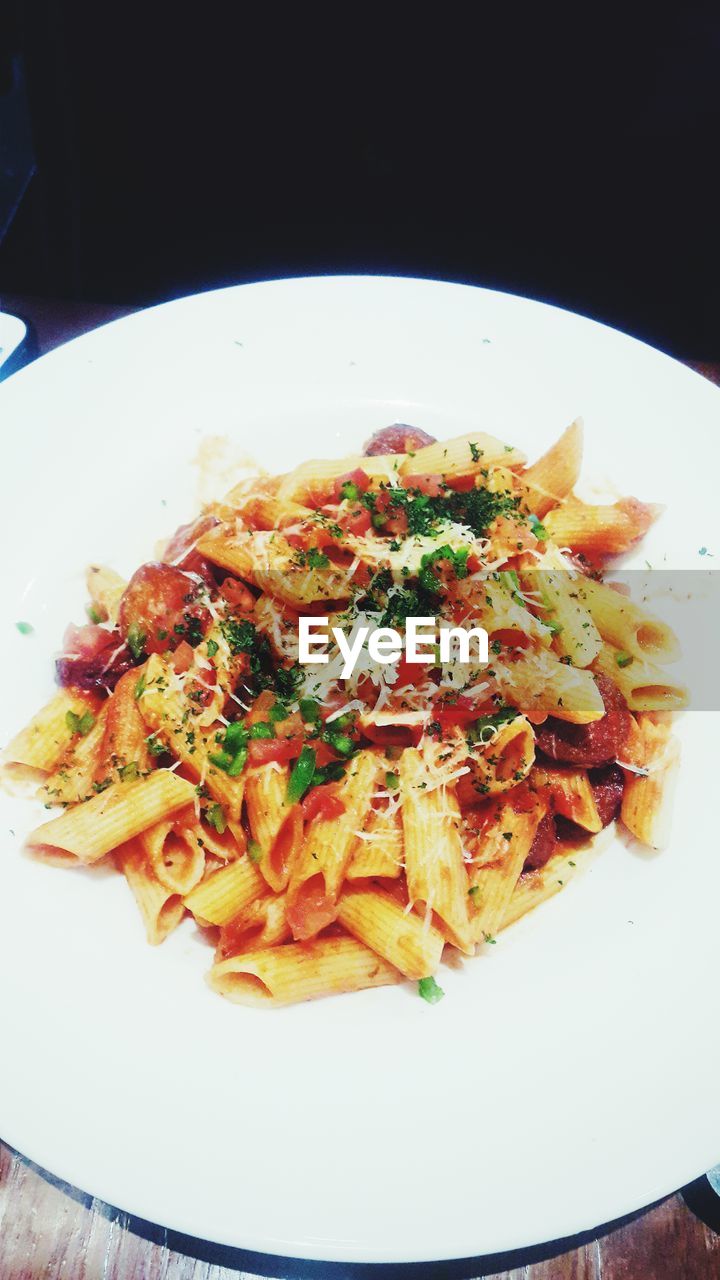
(570, 1075)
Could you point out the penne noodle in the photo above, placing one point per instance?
(555, 474)
(43, 742)
(537, 886)
(466, 455)
(319, 870)
(570, 794)
(170, 720)
(506, 843)
(124, 752)
(544, 686)
(644, 686)
(625, 626)
(115, 816)
(378, 849)
(160, 907)
(400, 937)
(277, 829)
(576, 635)
(270, 563)
(600, 531)
(436, 876)
(260, 924)
(226, 892)
(316, 478)
(75, 773)
(301, 971)
(501, 764)
(175, 856)
(647, 799)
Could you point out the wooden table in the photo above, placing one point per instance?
(49, 1230)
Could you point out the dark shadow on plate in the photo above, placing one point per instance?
(267, 1264)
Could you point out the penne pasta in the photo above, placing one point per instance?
(505, 845)
(647, 797)
(436, 876)
(160, 907)
(73, 777)
(115, 816)
(535, 887)
(171, 724)
(564, 607)
(399, 936)
(301, 971)
(555, 474)
(466, 455)
(360, 712)
(626, 626)
(600, 531)
(378, 848)
(42, 744)
(226, 892)
(319, 870)
(644, 686)
(260, 924)
(175, 856)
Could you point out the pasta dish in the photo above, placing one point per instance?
(335, 827)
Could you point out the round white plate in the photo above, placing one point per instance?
(570, 1075)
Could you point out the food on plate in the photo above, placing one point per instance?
(337, 828)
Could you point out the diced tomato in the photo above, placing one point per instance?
(411, 672)
(182, 657)
(461, 484)
(322, 803)
(511, 636)
(355, 521)
(357, 477)
(157, 604)
(265, 750)
(428, 484)
(450, 714)
(240, 599)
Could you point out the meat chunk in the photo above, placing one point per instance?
(399, 438)
(591, 744)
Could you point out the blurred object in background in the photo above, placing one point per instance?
(569, 161)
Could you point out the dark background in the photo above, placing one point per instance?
(178, 149)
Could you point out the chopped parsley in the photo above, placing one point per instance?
(25, 628)
(623, 659)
